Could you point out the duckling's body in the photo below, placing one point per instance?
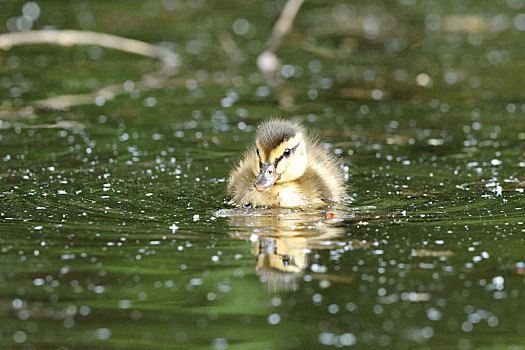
(286, 168)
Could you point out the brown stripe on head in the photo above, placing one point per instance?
(272, 133)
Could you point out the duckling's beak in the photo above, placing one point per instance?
(266, 177)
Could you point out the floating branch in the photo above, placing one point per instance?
(77, 37)
(284, 23)
(65, 102)
(268, 62)
(64, 124)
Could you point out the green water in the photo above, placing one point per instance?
(113, 229)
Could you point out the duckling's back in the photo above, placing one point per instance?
(323, 179)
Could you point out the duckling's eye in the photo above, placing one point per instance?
(287, 152)
(258, 153)
(286, 260)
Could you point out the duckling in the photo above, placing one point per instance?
(286, 168)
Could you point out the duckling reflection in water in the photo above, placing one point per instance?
(286, 168)
(285, 238)
(280, 260)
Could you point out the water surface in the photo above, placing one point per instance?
(113, 228)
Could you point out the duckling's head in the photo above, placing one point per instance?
(281, 153)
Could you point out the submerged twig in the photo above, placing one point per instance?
(431, 253)
(333, 278)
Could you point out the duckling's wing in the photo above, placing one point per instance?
(241, 179)
(324, 176)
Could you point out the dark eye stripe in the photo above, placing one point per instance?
(292, 151)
